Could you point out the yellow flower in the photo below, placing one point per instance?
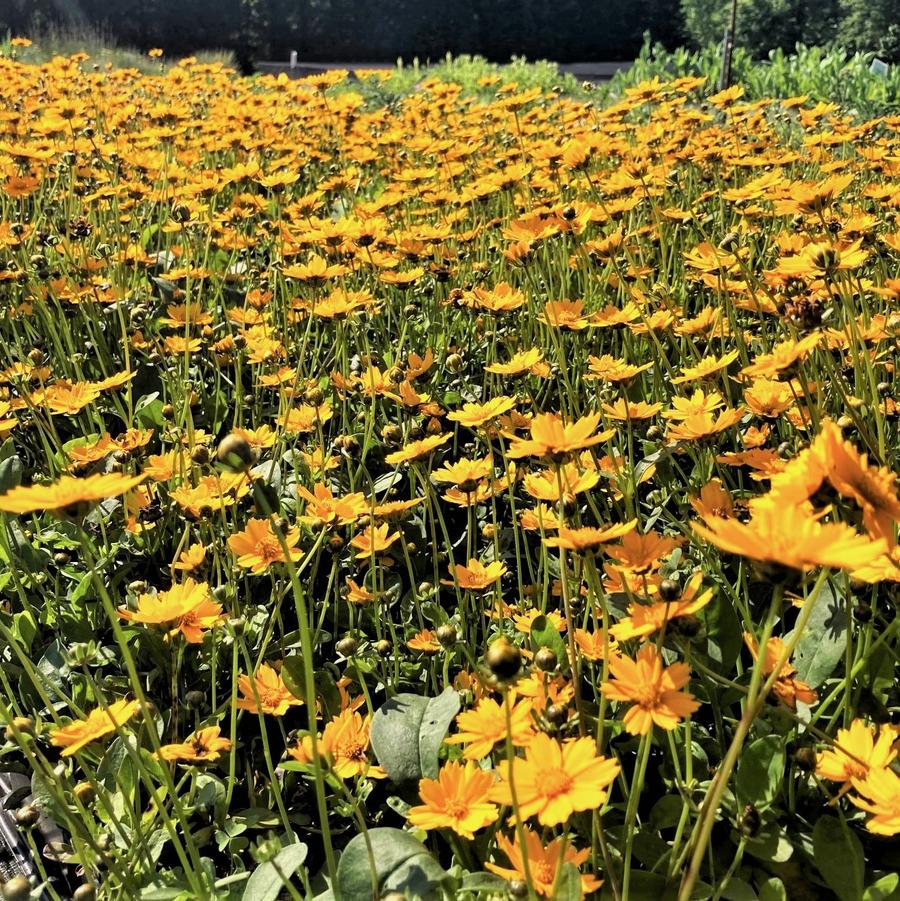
(481, 728)
(98, 724)
(186, 607)
(68, 494)
(457, 800)
(880, 796)
(475, 576)
(856, 751)
(556, 779)
(203, 746)
(257, 547)
(265, 693)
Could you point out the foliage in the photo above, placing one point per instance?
(442, 484)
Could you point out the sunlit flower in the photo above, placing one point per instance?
(99, 723)
(457, 800)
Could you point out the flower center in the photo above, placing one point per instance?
(542, 871)
(456, 808)
(268, 549)
(555, 782)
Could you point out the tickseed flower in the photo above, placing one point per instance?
(203, 746)
(345, 742)
(99, 723)
(190, 558)
(475, 576)
(375, 540)
(186, 608)
(589, 539)
(555, 780)
(457, 800)
(417, 450)
(275, 698)
(791, 536)
(68, 494)
(257, 547)
(786, 688)
(474, 415)
(484, 726)
(856, 750)
(425, 641)
(544, 862)
(653, 689)
(879, 795)
(552, 438)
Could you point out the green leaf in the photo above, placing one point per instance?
(761, 771)
(11, 472)
(568, 885)
(772, 890)
(402, 864)
(544, 635)
(407, 732)
(724, 633)
(888, 887)
(838, 854)
(293, 676)
(266, 881)
(822, 644)
(738, 890)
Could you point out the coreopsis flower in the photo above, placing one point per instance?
(257, 547)
(787, 688)
(475, 415)
(783, 359)
(879, 795)
(375, 540)
(595, 645)
(531, 361)
(821, 259)
(99, 723)
(190, 558)
(457, 800)
(464, 473)
(484, 726)
(654, 690)
(544, 862)
(425, 640)
(346, 742)
(851, 475)
(203, 746)
(625, 410)
(417, 450)
(856, 751)
(475, 576)
(703, 425)
(69, 495)
(644, 620)
(556, 779)
(713, 501)
(524, 620)
(791, 536)
(186, 608)
(321, 504)
(551, 437)
(589, 539)
(265, 692)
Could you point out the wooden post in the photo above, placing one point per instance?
(728, 48)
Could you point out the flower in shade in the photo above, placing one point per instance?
(99, 723)
(484, 726)
(457, 800)
(653, 690)
(69, 494)
(787, 688)
(555, 779)
(203, 746)
(265, 692)
(544, 862)
(257, 547)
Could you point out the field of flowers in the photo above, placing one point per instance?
(457, 498)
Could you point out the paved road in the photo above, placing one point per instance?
(595, 72)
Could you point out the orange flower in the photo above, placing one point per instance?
(552, 438)
(417, 450)
(475, 576)
(375, 540)
(70, 495)
(257, 547)
(346, 741)
(186, 607)
(98, 724)
(474, 415)
(265, 693)
(481, 728)
(204, 746)
(544, 862)
(424, 641)
(787, 689)
(556, 779)
(457, 800)
(654, 690)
